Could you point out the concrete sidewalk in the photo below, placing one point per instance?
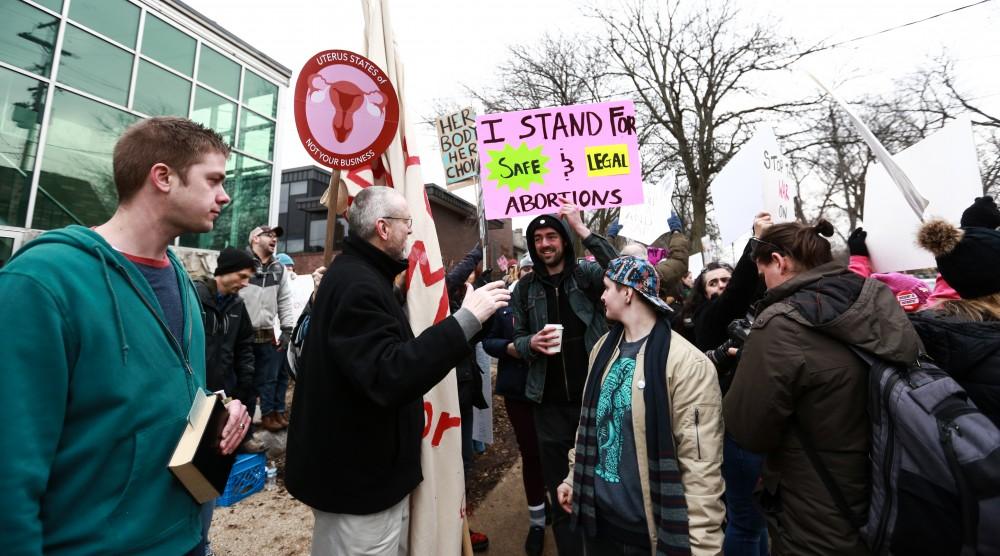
(503, 516)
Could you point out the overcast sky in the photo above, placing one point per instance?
(448, 44)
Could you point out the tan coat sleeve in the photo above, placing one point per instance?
(696, 414)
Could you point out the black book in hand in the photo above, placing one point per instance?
(198, 461)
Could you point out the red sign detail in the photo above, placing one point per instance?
(445, 422)
(346, 109)
(418, 258)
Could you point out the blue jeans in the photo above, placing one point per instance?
(746, 531)
(206, 521)
(269, 377)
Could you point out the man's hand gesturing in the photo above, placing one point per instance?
(486, 300)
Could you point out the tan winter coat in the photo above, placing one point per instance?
(693, 389)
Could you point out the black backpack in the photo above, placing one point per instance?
(935, 466)
(297, 344)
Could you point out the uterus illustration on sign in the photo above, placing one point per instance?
(349, 99)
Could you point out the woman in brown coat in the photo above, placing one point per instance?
(798, 370)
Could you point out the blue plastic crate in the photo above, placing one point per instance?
(246, 478)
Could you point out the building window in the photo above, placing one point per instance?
(116, 19)
(283, 199)
(215, 112)
(259, 95)
(219, 72)
(298, 188)
(256, 135)
(248, 183)
(167, 45)
(77, 185)
(95, 66)
(21, 103)
(27, 37)
(159, 92)
(294, 246)
(317, 234)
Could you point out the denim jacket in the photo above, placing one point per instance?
(584, 286)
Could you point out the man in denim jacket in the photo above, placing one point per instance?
(561, 291)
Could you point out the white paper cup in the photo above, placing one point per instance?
(558, 327)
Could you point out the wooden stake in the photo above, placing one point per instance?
(331, 215)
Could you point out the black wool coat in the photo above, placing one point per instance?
(358, 414)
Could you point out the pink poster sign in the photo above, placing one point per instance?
(587, 154)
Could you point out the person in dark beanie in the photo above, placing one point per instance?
(963, 335)
(229, 361)
(982, 214)
(228, 344)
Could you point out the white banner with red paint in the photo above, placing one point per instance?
(437, 506)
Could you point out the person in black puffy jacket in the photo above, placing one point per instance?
(963, 335)
(512, 376)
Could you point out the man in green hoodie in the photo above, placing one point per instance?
(107, 358)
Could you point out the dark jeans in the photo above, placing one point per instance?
(519, 412)
(746, 531)
(598, 546)
(556, 429)
(206, 521)
(269, 377)
(466, 412)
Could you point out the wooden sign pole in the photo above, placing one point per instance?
(331, 215)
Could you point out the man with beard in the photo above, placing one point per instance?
(269, 295)
(561, 291)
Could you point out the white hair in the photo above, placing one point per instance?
(368, 206)
(636, 250)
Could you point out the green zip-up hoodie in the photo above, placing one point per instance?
(95, 395)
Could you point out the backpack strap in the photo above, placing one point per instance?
(968, 501)
(824, 474)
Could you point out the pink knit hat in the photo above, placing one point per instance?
(911, 292)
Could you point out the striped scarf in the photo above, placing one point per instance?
(665, 487)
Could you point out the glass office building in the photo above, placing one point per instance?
(75, 73)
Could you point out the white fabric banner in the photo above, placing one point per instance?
(437, 506)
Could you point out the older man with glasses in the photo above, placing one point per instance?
(358, 413)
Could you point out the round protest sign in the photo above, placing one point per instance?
(346, 110)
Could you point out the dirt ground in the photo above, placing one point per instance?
(272, 523)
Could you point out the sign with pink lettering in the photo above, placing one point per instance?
(587, 154)
(346, 109)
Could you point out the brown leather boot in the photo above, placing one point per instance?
(283, 418)
(271, 422)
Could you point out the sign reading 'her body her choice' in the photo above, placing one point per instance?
(346, 110)
(587, 154)
(457, 139)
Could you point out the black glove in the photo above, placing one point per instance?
(856, 243)
(284, 339)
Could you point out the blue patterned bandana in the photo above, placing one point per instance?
(639, 275)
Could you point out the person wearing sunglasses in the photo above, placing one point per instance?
(798, 373)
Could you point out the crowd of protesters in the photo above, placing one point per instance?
(655, 412)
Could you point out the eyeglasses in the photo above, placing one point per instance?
(409, 221)
(760, 248)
